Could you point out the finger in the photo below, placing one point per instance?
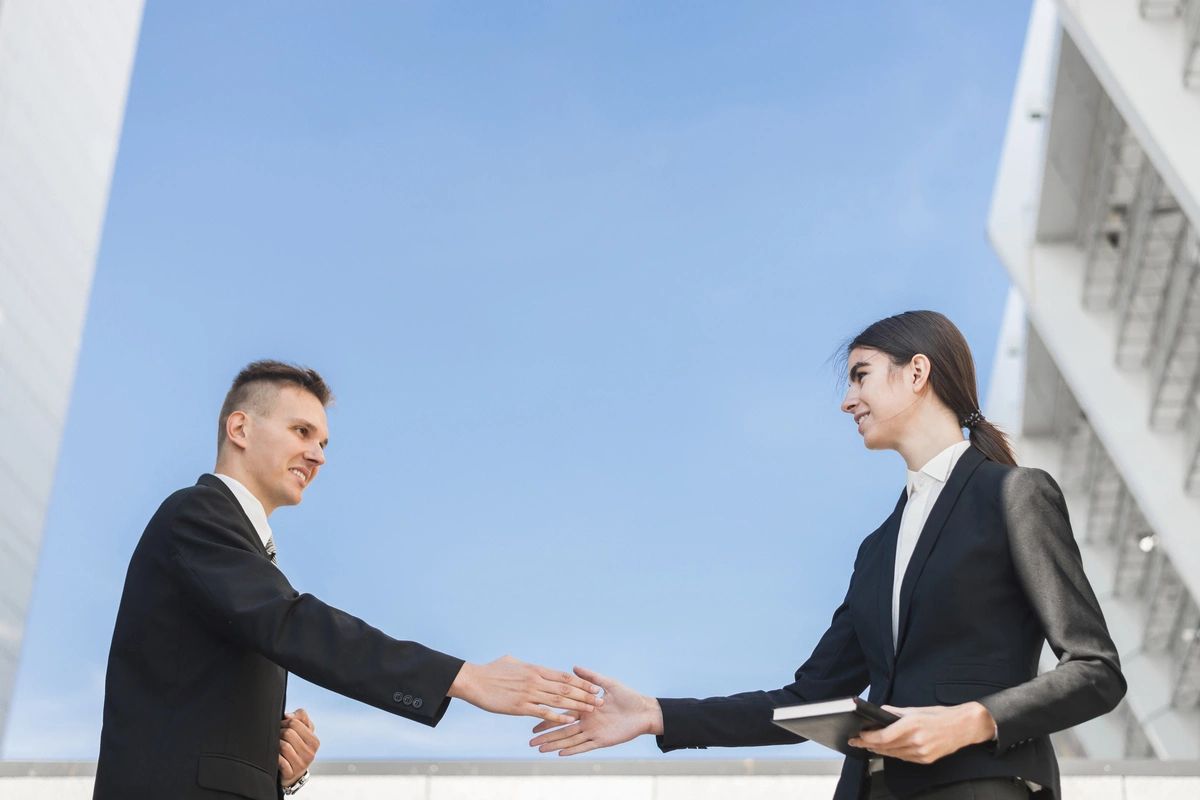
(545, 726)
(304, 734)
(570, 691)
(288, 752)
(898, 711)
(303, 716)
(558, 734)
(870, 737)
(585, 687)
(573, 741)
(583, 748)
(292, 736)
(603, 681)
(548, 714)
(285, 769)
(563, 703)
(303, 751)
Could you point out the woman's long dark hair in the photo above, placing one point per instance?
(952, 372)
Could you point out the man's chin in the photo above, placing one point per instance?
(290, 497)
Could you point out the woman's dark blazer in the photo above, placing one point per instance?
(996, 572)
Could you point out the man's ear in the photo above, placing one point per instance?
(919, 371)
(237, 429)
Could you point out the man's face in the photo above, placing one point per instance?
(285, 447)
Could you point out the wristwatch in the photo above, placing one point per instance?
(295, 787)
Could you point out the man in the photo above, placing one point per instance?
(209, 628)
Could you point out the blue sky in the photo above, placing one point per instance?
(575, 272)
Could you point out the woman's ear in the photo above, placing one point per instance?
(919, 372)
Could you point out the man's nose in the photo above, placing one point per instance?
(316, 455)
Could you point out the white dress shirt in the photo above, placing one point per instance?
(253, 508)
(924, 486)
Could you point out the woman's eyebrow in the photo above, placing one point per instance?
(854, 369)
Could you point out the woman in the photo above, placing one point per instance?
(948, 606)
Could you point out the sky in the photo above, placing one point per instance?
(577, 273)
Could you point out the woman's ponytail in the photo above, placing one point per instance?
(992, 442)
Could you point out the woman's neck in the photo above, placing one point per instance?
(928, 438)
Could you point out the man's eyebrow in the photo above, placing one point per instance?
(294, 421)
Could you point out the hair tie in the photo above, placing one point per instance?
(971, 421)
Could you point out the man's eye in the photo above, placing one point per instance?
(303, 431)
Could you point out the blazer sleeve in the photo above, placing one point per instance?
(241, 596)
(836, 668)
(1087, 681)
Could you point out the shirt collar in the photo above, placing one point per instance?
(251, 505)
(940, 466)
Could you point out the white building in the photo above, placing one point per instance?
(64, 74)
(1096, 217)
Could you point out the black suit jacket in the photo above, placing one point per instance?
(206, 634)
(996, 572)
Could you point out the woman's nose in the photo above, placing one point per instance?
(849, 403)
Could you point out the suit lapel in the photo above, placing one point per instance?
(247, 530)
(887, 563)
(938, 515)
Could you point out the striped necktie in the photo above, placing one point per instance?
(271, 549)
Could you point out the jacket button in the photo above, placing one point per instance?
(417, 702)
(398, 697)
(408, 699)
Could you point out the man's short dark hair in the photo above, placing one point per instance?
(255, 387)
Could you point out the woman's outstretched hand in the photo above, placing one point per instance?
(923, 735)
(624, 715)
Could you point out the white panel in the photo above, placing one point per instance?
(64, 74)
(763, 787)
(46, 788)
(542, 788)
(366, 787)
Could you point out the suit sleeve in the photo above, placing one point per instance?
(836, 668)
(241, 596)
(1087, 681)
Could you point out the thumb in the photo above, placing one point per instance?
(602, 681)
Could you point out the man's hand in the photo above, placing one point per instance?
(923, 735)
(509, 686)
(625, 715)
(298, 745)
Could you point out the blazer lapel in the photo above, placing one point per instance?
(966, 465)
(887, 563)
(247, 531)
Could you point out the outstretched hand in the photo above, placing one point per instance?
(625, 715)
(510, 686)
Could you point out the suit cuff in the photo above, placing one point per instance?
(426, 702)
(674, 724)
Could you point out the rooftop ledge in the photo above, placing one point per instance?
(563, 767)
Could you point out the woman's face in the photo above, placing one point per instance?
(879, 397)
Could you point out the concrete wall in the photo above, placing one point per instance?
(64, 74)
